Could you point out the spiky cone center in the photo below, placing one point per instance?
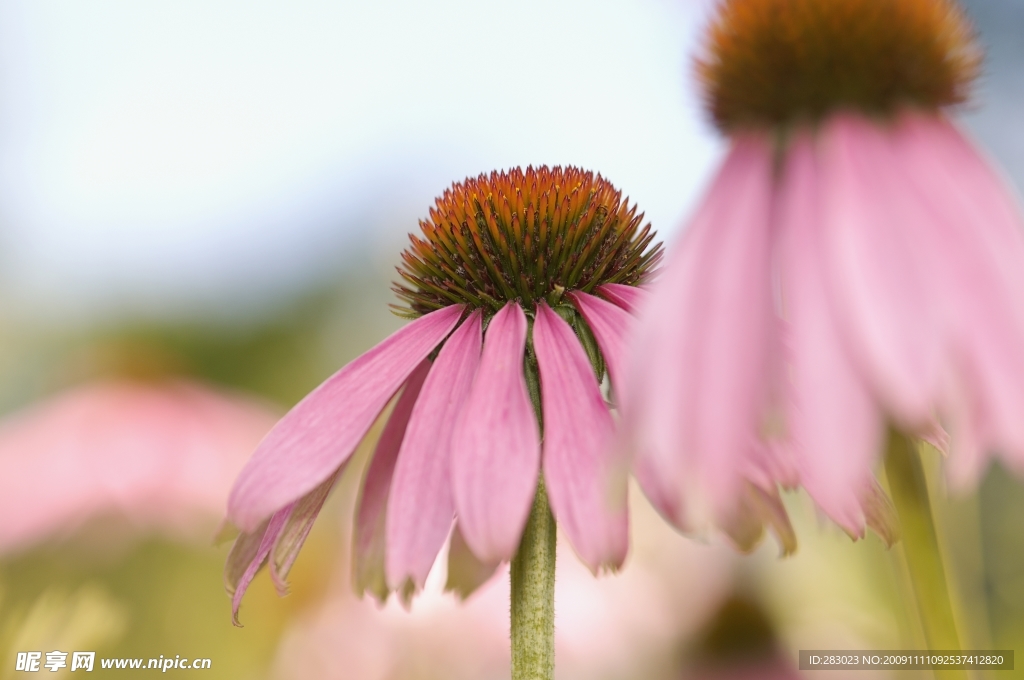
(772, 63)
(523, 236)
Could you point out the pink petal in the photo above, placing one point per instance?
(774, 515)
(661, 493)
(296, 529)
(322, 431)
(496, 444)
(630, 298)
(836, 428)
(770, 464)
(610, 325)
(879, 285)
(743, 526)
(243, 552)
(369, 535)
(756, 509)
(579, 469)
(974, 240)
(466, 572)
(243, 549)
(700, 360)
(880, 514)
(420, 506)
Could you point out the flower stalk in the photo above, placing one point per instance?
(533, 595)
(533, 568)
(909, 489)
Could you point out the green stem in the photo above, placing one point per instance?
(533, 595)
(909, 490)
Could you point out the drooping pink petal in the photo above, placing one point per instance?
(757, 509)
(611, 325)
(243, 549)
(775, 517)
(323, 430)
(936, 436)
(699, 367)
(579, 469)
(369, 535)
(970, 433)
(743, 526)
(974, 240)
(466, 572)
(296, 529)
(878, 284)
(880, 514)
(770, 464)
(277, 540)
(420, 506)
(496, 444)
(835, 426)
(630, 298)
(770, 461)
(243, 552)
(661, 492)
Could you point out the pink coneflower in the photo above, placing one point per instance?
(505, 286)
(855, 267)
(158, 455)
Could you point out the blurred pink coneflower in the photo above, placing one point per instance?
(158, 455)
(855, 266)
(505, 286)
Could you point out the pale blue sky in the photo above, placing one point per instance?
(159, 155)
(162, 156)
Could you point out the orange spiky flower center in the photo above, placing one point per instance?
(770, 63)
(524, 236)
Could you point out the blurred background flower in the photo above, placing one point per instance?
(216, 191)
(154, 456)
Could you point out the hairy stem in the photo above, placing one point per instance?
(533, 595)
(921, 546)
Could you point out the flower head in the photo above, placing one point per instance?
(524, 237)
(855, 266)
(509, 334)
(783, 62)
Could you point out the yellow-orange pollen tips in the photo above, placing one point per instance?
(525, 236)
(769, 63)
